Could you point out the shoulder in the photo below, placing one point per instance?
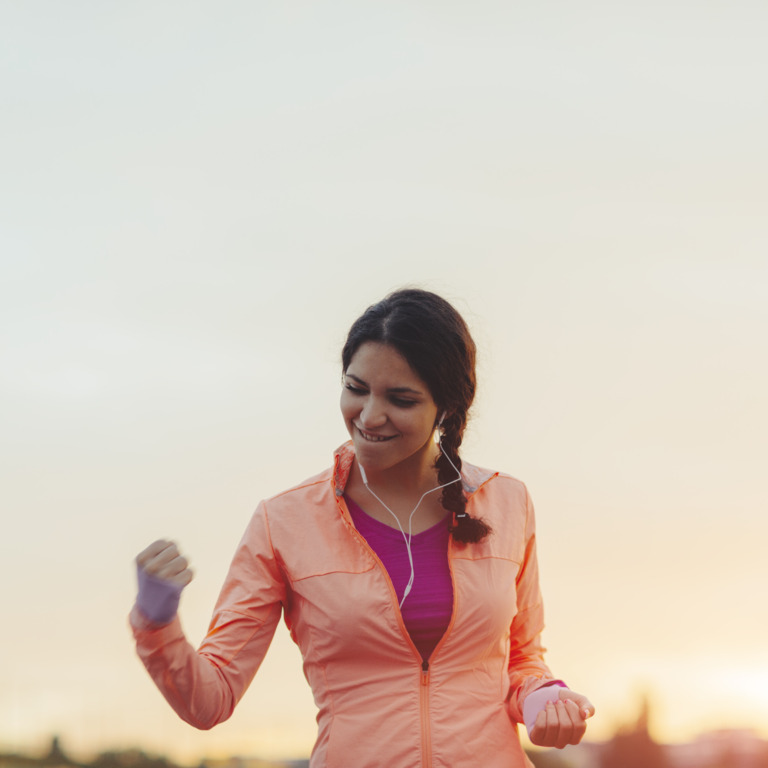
(313, 487)
(295, 513)
(481, 481)
(312, 498)
(500, 498)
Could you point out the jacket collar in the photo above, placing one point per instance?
(342, 466)
(472, 477)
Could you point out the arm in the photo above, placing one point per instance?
(204, 686)
(553, 714)
(527, 670)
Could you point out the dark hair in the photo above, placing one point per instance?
(433, 337)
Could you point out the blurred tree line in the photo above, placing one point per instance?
(631, 747)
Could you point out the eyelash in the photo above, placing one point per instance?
(397, 401)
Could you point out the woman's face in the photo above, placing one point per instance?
(388, 410)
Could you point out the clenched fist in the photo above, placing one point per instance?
(556, 717)
(162, 560)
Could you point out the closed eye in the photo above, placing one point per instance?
(399, 402)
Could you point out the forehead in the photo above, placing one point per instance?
(377, 363)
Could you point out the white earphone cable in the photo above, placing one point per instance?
(407, 538)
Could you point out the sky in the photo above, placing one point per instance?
(198, 199)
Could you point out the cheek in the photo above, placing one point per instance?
(346, 405)
(421, 428)
(343, 406)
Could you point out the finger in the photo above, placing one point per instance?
(162, 564)
(586, 708)
(154, 549)
(186, 576)
(552, 725)
(182, 578)
(539, 729)
(172, 569)
(578, 723)
(565, 726)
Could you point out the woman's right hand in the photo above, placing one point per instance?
(163, 560)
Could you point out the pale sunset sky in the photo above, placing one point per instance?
(196, 201)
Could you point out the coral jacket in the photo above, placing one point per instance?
(379, 704)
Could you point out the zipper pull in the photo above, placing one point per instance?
(424, 671)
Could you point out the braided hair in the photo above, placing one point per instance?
(434, 339)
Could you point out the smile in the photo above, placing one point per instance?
(372, 438)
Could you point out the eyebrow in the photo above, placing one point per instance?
(396, 390)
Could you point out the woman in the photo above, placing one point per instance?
(407, 577)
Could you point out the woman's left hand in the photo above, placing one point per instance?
(562, 722)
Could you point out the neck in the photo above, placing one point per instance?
(413, 476)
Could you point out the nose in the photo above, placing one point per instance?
(373, 414)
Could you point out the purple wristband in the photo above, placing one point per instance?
(158, 599)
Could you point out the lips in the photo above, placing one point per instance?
(372, 437)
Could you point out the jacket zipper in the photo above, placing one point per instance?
(453, 607)
(426, 731)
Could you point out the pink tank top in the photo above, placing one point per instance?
(427, 609)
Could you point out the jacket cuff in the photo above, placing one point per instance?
(151, 636)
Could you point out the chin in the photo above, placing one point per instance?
(374, 456)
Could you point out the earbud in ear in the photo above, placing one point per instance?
(437, 427)
(438, 424)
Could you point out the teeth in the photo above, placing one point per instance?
(374, 438)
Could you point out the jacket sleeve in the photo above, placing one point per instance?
(204, 685)
(527, 670)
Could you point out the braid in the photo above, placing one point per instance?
(466, 529)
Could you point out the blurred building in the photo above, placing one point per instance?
(633, 746)
(721, 749)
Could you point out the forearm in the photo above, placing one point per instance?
(191, 682)
(527, 670)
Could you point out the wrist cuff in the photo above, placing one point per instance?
(158, 599)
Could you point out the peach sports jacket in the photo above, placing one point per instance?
(379, 705)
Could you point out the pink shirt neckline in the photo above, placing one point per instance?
(427, 609)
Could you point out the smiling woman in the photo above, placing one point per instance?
(401, 633)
